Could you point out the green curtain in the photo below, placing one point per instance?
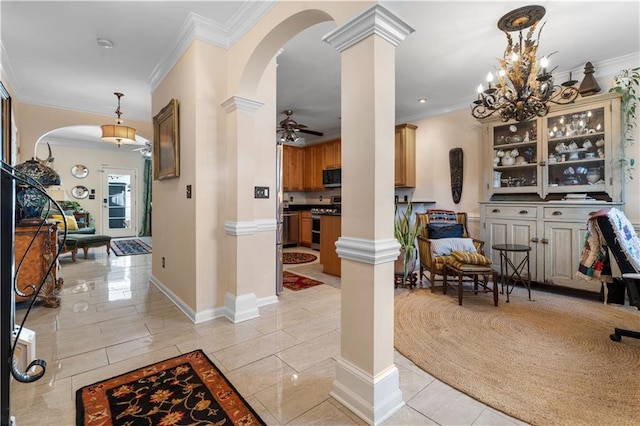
(145, 225)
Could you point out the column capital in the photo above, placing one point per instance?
(243, 104)
(375, 20)
(373, 252)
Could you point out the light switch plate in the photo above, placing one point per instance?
(261, 192)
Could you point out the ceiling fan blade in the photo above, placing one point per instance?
(310, 132)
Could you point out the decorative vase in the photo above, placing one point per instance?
(399, 264)
(31, 201)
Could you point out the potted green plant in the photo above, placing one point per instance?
(627, 83)
(406, 230)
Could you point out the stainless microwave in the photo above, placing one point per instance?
(331, 178)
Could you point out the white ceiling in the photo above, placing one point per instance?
(50, 54)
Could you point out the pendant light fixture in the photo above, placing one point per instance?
(118, 133)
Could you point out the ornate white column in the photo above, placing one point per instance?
(366, 377)
(240, 303)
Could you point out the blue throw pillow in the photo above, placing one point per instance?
(441, 230)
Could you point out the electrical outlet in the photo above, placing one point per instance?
(320, 198)
(291, 199)
(261, 192)
(163, 261)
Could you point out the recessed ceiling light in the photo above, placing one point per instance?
(104, 43)
(422, 100)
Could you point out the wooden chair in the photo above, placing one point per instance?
(435, 264)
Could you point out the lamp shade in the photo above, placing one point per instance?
(42, 174)
(118, 134)
(30, 199)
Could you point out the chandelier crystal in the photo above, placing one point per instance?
(524, 85)
(118, 133)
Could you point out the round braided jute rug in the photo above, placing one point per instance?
(290, 258)
(546, 362)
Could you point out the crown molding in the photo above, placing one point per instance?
(375, 20)
(204, 29)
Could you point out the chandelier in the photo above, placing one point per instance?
(524, 85)
(118, 133)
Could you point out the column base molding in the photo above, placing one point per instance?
(241, 308)
(372, 398)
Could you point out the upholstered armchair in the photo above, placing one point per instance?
(437, 224)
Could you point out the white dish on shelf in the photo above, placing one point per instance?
(576, 196)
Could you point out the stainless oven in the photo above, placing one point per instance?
(315, 231)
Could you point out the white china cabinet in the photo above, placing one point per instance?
(545, 176)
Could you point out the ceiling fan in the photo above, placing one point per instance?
(289, 127)
(145, 150)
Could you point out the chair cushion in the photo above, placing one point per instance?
(445, 230)
(466, 267)
(441, 260)
(444, 246)
(437, 215)
(470, 258)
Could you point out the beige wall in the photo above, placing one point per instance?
(199, 256)
(435, 136)
(34, 121)
(95, 159)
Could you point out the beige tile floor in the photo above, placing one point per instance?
(113, 320)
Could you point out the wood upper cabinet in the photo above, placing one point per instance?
(312, 174)
(405, 156)
(332, 154)
(292, 165)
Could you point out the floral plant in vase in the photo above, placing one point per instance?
(406, 230)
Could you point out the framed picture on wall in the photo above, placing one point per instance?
(166, 142)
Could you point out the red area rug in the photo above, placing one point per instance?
(297, 282)
(291, 258)
(185, 390)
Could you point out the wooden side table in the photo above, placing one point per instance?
(82, 218)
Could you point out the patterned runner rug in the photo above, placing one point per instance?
(187, 389)
(130, 247)
(290, 258)
(297, 282)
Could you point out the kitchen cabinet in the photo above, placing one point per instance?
(405, 156)
(312, 173)
(305, 228)
(36, 262)
(330, 230)
(571, 150)
(555, 231)
(292, 165)
(332, 154)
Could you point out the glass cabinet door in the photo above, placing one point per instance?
(515, 158)
(576, 151)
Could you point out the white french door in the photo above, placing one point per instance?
(119, 207)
